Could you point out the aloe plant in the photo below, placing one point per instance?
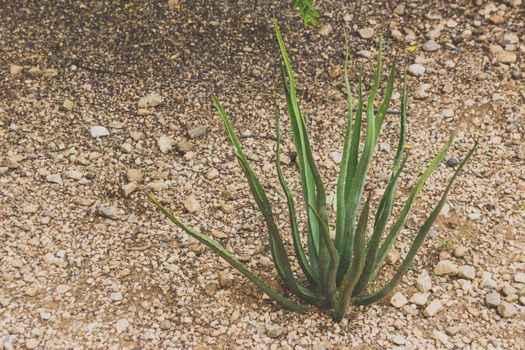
(338, 272)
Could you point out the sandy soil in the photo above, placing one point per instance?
(84, 266)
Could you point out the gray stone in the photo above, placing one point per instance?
(510, 39)
(274, 331)
(419, 299)
(30, 208)
(416, 69)
(74, 174)
(54, 178)
(63, 288)
(467, 272)
(446, 267)
(492, 299)
(506, 310)
(98, 131)
(398, 339)
(364, 53)
(508, 290)
(519, 277)
(421, 92)
(165, 325)
(32, 343)
(447, 112)
(45, 315)
(165, 144)
(424, 282)
(197, 131)
(122, 325)
(431, 46)
(116, 296)
(487, 281)
(440, 336)
(109, 212)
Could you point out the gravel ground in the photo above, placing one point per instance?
(95, 95)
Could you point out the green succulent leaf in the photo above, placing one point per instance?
(353, 196)
(303, 149)
(279, 255)
(345, 160)
(403, 216)
(307, 269)
(387, 201)
(418, 240)
(230, 258)
(357, 266)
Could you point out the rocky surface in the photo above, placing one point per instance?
(89, 89)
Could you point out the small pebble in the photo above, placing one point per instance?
(431, 46)
(398, 300)
(416, 69)
(452, 162)
(128, 188)
(467, 272)
(440, 336)
(224, 279)
(492, 299)
(165, 144)
(419, 299)
(433, 308)
(325, 30)
(32, 343)
(453, 330)
(446, 267)
(98, 131)
(274, 331)
(424, 282)
(15, 69)
(134, 175)
(197, 131)
(122, 325)
(54, 178)
(459, 252)
(366, 33)
(191, 204)
(184, 146)
(519, 277)
(506, 310)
